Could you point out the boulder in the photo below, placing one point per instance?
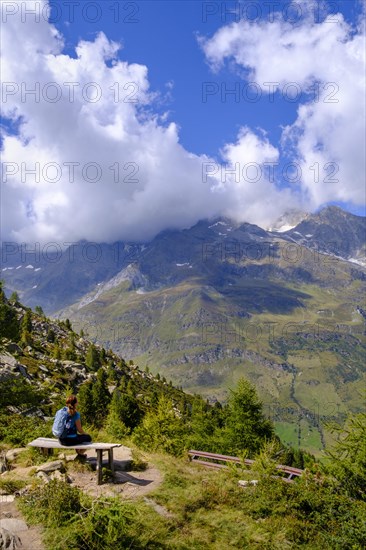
(51, 466)
(8, 360)
(43, 476)
(59, 476)
(3, 465)
(13, 524)
(13, 453)
(72, 365)
(13, 348)
(8, 540)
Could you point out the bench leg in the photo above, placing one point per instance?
(99, 465)
(110, 461)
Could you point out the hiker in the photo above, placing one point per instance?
(72, 433)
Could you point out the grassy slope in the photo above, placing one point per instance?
(301, 343)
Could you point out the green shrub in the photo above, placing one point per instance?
(53, 504)
(11, 485)
(19, 430)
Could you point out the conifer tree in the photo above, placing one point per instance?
(9, 325)
(86, 402)
(100, 397)
(14, 298)
(26, 328)
(92, 360)
(39, 311)
(245, 425)
(115, 424)
(162, 429)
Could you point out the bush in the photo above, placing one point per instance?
(20, 430)
(74, 521)
(53, 504)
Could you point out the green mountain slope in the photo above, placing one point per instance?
(204, 308)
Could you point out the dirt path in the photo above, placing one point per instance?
(126, 485)
(31, 539)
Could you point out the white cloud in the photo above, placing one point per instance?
(328, 130)
(170, 190)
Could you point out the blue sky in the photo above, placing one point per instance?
(163, 36)
(193, 52)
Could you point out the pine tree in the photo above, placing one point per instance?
(245, 425)
(39, 311)
(14, 298)
(161, 429)
(86, 403)
(101, 397)
(9, 325)
(92, 360)
(26, 329)
(114, 424)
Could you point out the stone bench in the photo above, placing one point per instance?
(49, 443)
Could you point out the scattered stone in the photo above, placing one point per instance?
(72, 365)
(13, 348)
(51, 466)
(7, 359)
(13, 453)
(3, 466)
(59, 476)
(8, 540)
(43, 368)
(23, 370)
(43, 476)
(13, 524)
(246, 483)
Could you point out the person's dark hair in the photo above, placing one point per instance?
(71, 404)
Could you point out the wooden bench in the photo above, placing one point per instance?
(49, 443)
(197, 457)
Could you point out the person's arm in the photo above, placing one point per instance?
(78, 426)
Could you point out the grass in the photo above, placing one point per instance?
(10, 484)
(207, 510)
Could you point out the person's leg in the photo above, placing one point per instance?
(67, 441)
(82, 438)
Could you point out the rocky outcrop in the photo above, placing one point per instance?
(11, 368)
(9, 540)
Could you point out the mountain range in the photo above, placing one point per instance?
(205, 305)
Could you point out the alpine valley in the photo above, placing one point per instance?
(206, 305)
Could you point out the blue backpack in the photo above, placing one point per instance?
(62, 423)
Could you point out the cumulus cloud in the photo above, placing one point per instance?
(325, 63)
(105, 167)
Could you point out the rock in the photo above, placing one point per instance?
(13, 524)
(72, 365)
(7, 359)
(8, 540)
(43, 476)
(246, 483)
(13, 348)
(70, 458)
(23, 370)
(58, 475)
(3, 465)
(43, 368)
(51, 466)
(13, 453)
